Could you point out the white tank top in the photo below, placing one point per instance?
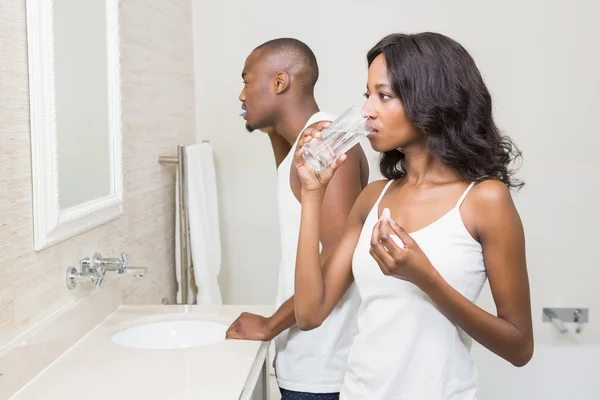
(406, 348)
(311, 361)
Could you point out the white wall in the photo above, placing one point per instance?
(541, 61)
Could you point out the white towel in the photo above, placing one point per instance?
(203, 217)
(190, 299)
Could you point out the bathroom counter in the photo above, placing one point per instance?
(96, 368)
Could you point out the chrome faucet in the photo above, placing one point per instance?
(87, 274)
(94, 270)
(560, 316)
(554, 318)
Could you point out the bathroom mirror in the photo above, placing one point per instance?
(75, 101)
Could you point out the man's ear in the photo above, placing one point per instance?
(282, 82)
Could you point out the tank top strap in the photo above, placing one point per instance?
(462, 198)
(385, 188)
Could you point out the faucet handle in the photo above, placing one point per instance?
(577, 320)
(551, 315)
(100, 277)
(124, 263)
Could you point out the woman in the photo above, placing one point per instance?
(448, 183)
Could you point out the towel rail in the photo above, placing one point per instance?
(184, 232)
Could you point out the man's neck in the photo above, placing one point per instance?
(293, 119)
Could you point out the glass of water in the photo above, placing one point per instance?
(345, 132)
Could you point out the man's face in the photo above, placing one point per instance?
(258, 96)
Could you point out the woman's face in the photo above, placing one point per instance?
(392, 129)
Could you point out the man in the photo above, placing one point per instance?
(278, 98)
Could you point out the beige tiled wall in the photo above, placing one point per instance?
(158, 114)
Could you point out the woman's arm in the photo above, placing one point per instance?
(318, 290)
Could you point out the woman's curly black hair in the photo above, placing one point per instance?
(446, 100)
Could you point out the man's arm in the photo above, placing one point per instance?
(342, 192)
(256, 327)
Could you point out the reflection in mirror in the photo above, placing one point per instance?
(81, 69)
(76, 136)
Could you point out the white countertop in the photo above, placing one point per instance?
(96, 368)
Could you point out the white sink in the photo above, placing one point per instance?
(171, 334)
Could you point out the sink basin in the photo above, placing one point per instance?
(171, 334)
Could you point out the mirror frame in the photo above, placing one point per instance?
(51, 224)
